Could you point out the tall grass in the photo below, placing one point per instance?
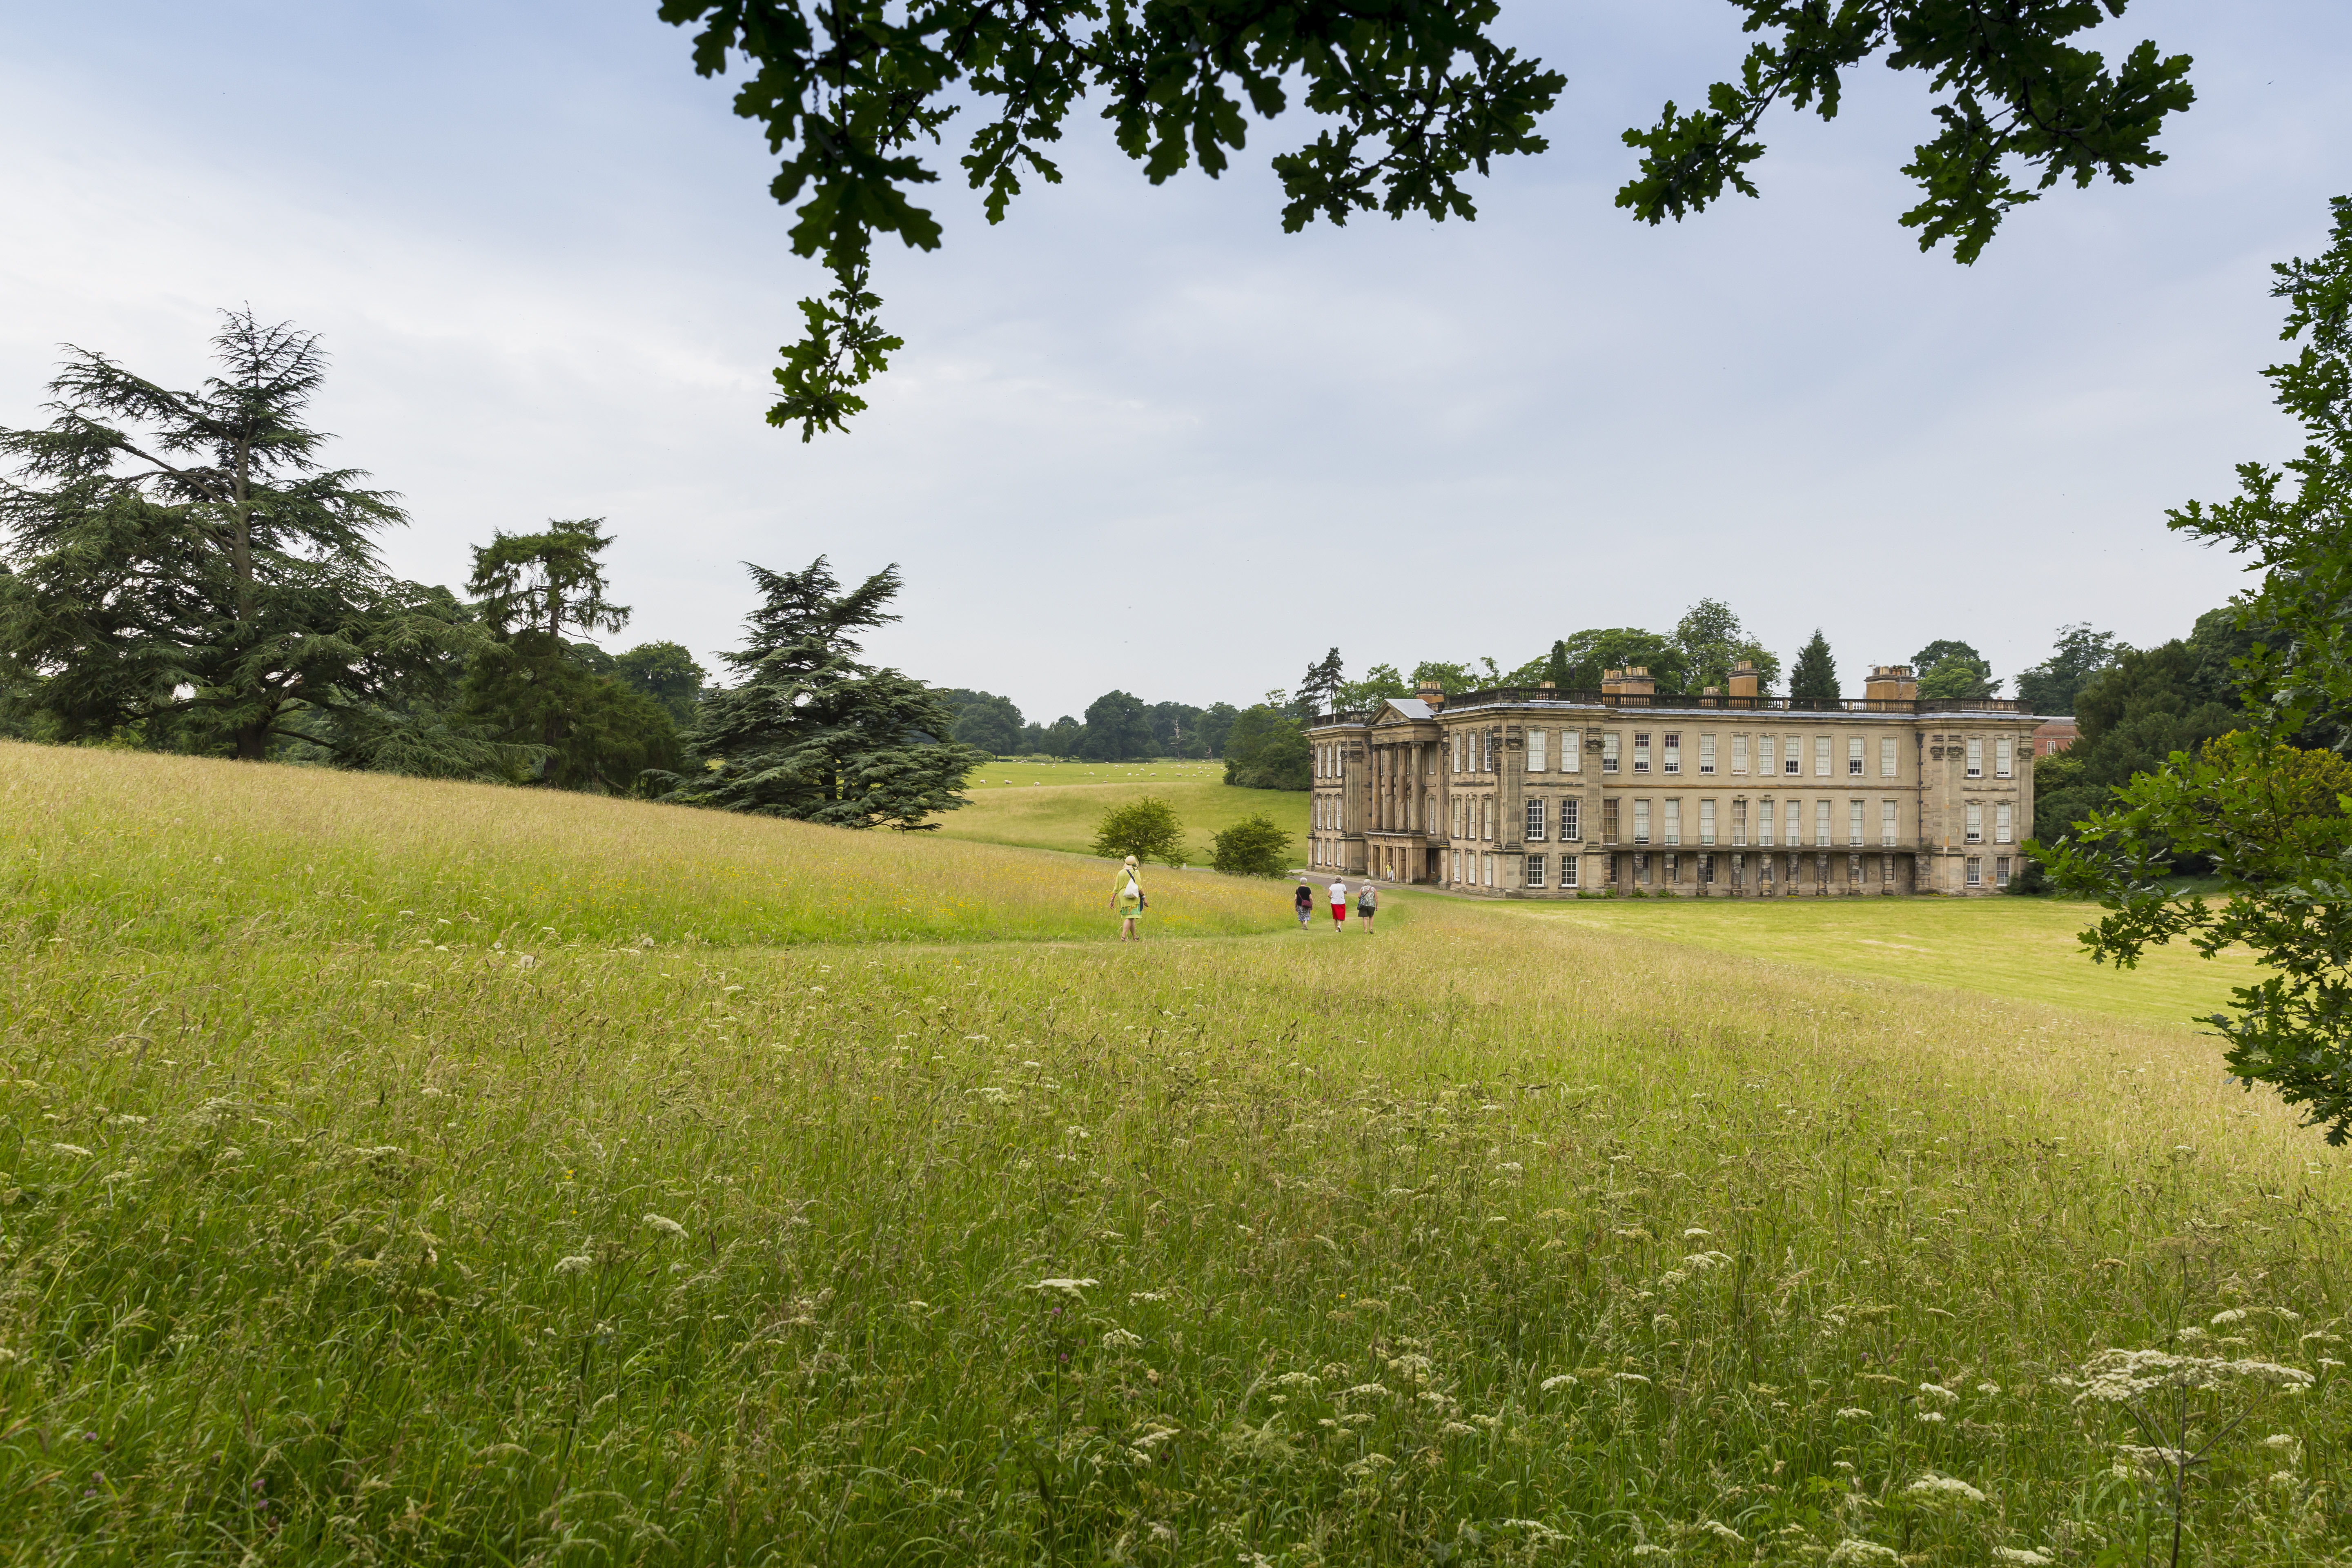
(160, 852)
(1480, 1240)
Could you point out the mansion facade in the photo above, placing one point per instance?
(1531, 793)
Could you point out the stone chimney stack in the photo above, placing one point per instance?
(1890, 683)
(1743, 680)
(1632, 681)
(1432, 694)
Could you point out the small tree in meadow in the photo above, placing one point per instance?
(1145, 828)
(1253, 847)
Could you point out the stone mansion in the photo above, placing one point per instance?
(1524, 792)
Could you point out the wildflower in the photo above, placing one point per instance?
(1852, 1553)
(1298, 1380)
(578, 1264)
(1934, 1485)
(1937, 1394)
(1066, 1287)
(1989, 1390)
(525, 961)
(1629, 1377)
(1456, 1429)
(2228, 1315)
(1121, 1340)
(1367, 1390)
(1850, 1414)
(1695, 1234)
(666, 1226)
(2115, 1376)
(2024, 1557)
(1560, 1380)
(1646, 1549)
(74, 1149)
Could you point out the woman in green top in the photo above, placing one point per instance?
(1127, 898)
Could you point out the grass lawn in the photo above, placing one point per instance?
(1042, 806)
(2024, 948)
(352, 1213)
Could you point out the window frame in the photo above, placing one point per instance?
(1670, 824)
(1532, 873)
(1890, 758)
(1641, 822)
(1670, 751)
(1856, 758)
(1972, 872)
(1739, 753)
(1821, 757)
(1972, 822)
(1706, 754)
(1610, 750)
(1535, 819)
(1706, 815)
(1535, 749)
(1975, 767)
(1569, 815)
(1641, 751)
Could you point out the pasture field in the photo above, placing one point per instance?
(1490, 1239)
(2024, 947)
(1039, 805)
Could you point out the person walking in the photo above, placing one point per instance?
(1127, 898)
(1303, 901)
(1339, 905)
(1368, 902)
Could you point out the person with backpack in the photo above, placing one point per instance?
(1303, 901)
(1127, 898)
(1368, 903)
(1339, 905)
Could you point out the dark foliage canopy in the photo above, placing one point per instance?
(810, 733)
(186, 567)
(1408, 99)
(2272, 819)
(2050, 686)
(1269, 750)
(1814, 677)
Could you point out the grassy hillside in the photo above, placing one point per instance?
(1042, 806)
(166, 851)
(1488, 1239)
(2024, 947)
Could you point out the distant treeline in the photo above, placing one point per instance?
(1263, 746)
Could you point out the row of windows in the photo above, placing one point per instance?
(1662, 751)
(1773, 822)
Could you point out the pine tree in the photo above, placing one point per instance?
(1556, 668)
(811, 734)
(188, 573)
(1813, 678)
(531, 687)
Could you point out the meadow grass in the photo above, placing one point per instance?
(1056, 805)
(162, 851)
(1487, 1239)
(2025, 948)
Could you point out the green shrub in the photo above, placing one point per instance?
(1253, 847)
(1146, 828)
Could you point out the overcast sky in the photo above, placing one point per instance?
(1142, 438)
